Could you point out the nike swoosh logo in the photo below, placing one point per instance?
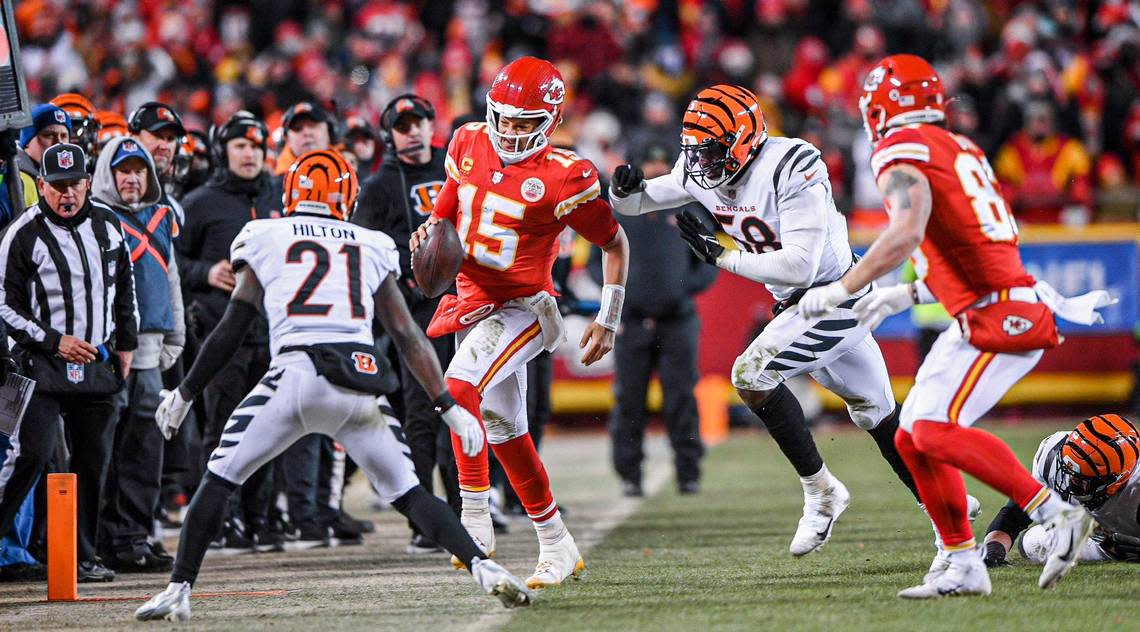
(809, 176)
(826, 530)
(586, 173)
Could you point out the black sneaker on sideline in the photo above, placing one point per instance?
(141, 563)
(21, 572)
(310, 535)
(420, 544)
(363, 526)
(158, 550)
(268, 540)
(233, 540)
(91, 572)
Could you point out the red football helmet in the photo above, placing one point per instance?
(901, 90)
(525, 88)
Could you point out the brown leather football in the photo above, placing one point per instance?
(436, 262)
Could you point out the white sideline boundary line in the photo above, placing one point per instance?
(658, 472)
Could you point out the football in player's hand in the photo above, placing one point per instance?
(436, 261)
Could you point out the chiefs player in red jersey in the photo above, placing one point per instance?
(510, 194)
(946, 212)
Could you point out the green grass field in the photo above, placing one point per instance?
(719, 561)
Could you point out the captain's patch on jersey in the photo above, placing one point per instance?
(533, 189)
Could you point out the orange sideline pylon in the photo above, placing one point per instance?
(62, 522)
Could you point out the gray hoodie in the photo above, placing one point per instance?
(149, 354)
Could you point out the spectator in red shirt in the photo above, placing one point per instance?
(1045, 174)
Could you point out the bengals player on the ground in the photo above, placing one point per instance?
(947, 213)
(1096, 465)
(510, 195)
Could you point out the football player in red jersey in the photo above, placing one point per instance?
(510, 194)
(946, 213)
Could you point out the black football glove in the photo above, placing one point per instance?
(996, 555)
(627, 179)
(700, 239)
(1120, 547)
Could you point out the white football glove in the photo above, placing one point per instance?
(821, 301)
(171, 411)
(466, 427)
(882, 302)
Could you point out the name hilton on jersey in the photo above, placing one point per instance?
(317, 230)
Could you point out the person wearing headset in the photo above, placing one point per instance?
(160, 130)
(239, 191)
(396, 200)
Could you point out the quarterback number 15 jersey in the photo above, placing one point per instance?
(509, 216)
(319, 275)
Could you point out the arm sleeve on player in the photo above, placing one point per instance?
(219, 346)
(662, 192)
(1011, 520)
(803, 231)
(593, 220)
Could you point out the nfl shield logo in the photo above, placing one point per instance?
(130, 145)
(60, 117)
(496, 177)
(74, 373)
(65, 159)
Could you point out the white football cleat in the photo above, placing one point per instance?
(820, 513)
(1068, 532)
(938, 566)
(941, 561)
(495, 580)
(481, 530)
(964, 575)
(556, 562)
(172, 604)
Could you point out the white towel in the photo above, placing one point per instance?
(545, 308)
(1078, 309)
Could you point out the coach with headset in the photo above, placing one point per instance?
(238, 192)
(396, 200)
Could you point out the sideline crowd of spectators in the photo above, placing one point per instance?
(1048, 87)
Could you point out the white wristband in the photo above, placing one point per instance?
(609, 314)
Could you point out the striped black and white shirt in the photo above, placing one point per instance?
(65, 277)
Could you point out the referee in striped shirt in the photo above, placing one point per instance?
(67, 298)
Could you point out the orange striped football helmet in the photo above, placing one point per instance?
(721, 133)
(111, 125)
(84, 124)
(320, 183)
(1097, 459)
